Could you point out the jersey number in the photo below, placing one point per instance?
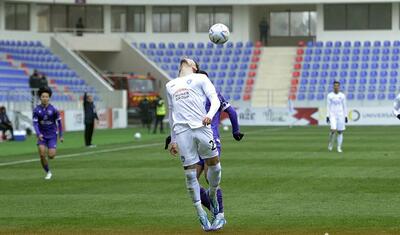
(213, 147)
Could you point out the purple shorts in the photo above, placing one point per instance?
(218, 145)
(50, 143)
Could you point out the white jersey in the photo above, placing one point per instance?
(396, 106)
(336, 105)
(187, 101)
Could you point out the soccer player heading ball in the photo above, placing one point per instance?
(192, 134)
(46, 119)
(336, 116)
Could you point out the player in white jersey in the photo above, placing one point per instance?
(336, 116)
(396, 106)
(192, 134)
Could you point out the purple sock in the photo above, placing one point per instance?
(220, 202)
(205, 200)
(46, 168)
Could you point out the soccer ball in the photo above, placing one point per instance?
(219, 33)
(226, 128)
(138, 135)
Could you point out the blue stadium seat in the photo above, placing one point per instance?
(367, 44)
(233, 66)
(188, 52)
(238, 89)
(223, 66)
(357, 44)
(208, 52)
(214, 66)
(239, 81)
(350, 96)
(239, 44)
(171, 45)
(326, 58)
(200, 45)
(181, 45)
(360, 96)
(226, 59)
(371, 96)
(310, 96)
(382, 88)
(190, 45)
(152, 45)
(249, 44)
(351, 88)
(236, 97)
(372, 88)
(381, 96)
(216, 59)
(391, 96)
(161, 45)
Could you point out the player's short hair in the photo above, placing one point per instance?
(336, 82)
(45, 90)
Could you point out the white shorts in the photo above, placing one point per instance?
(195, 143)
(337, 123)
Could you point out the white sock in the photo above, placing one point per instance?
(331, 137)
(214, 178)
(192, 185)
(340, 140)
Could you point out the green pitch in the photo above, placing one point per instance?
(278, 180)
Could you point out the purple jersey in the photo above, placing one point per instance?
(217, 117)
(46, 120)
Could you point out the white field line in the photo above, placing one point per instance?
(82, 153)
(119, 149)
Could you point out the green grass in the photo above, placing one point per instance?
(277, 180)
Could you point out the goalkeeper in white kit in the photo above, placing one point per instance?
(336, 116)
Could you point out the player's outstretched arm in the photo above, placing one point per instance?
(235, 123)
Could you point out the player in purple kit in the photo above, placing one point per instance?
(46, 119)
(219, 220)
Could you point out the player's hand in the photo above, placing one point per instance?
(346, 120)
(167, 142)
(327, 120)
(61, 139)
(238, 136)
(398, 116)
(174, 149)
(40, 137)
(206, 121)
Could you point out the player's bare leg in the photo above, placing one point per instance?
(193, 187)
(44, 162)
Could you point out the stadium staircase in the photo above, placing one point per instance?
(274, 75)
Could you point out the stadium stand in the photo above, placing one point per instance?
(18, 59)
(367, 71)
(232, 67)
